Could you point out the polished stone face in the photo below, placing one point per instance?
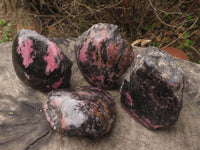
(103, 55)
(84, 111)
(152, 93)
(39, 63)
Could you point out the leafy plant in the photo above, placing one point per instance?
(2, 22)
(188, 43)
(186, 34)
(166, 40)
(189, 55)
(7, 31)
(189, 17)
(152, 26)
(183, 6)
(157, 44)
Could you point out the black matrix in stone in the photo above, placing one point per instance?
(152, 92)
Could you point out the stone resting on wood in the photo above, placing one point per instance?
(23, 125)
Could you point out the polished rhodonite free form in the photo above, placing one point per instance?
(152, 92)
(103, 55)
(39, 63)
(84, 111)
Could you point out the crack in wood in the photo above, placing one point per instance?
(39, 139)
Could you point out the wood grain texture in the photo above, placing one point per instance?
(22, 123)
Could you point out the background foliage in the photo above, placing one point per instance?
(164, 22)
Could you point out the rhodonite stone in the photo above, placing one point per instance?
(84, 111)
(152, 91)
(103, 55)
(39, 63)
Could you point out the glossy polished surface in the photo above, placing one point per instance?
(85, 111)
(39, 63)
(152, 92)
(103, 55)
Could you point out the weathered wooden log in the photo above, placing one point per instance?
(23, 126)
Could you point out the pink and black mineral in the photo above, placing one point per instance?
(103, 55)
(153, 89)
(39, 63)
(84, 111)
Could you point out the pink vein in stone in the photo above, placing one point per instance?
(112, 54)
(153, 125)
(25, 50)
(144, 121)
(113, 49)
(27, 76)
(53, 52)
(130, 100)
(99, 78)
(57, 84)
(99, 37)
(47, 117)
(83, 57)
